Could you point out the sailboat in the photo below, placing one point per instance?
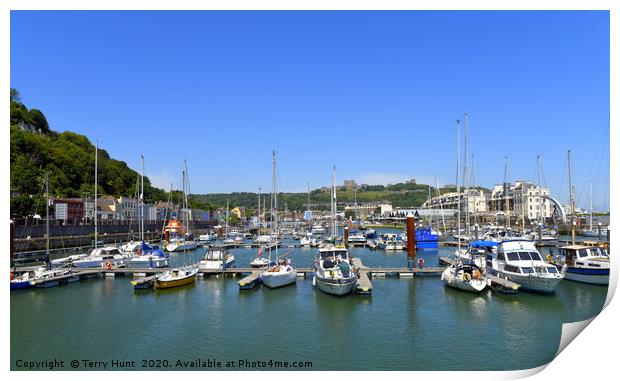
(259, 261)
(107, 256)
(182, 275)
(282, 273)
(466, 277)
(146, 255)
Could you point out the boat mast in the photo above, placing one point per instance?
(142, 201)
(541, 214)
(47, 216)
(275, 202)
(227, 215)
(591, 206)
(96, 155)
(258, 212)
(466, 176)
(506, 187)
(572, 198)
(334, 207)
(458, 186)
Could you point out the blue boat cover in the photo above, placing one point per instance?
(477, 244)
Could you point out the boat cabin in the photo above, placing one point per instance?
(582, 255)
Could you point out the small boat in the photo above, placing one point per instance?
(176, 277)
(466, 277)
(66, 261)
(281, 274)
(389, 242)
(584, 264)
(149, 257)
(181, 244)
(217, 258)
(356, 236)
(318, 230)
(207, 237)
(107, 256)
(22, 281)
(520, 262)
(333, 271)
(264, 239)
(260, 261)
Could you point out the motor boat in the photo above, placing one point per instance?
(584, 264)
(333, 272)
(520, 262)
(107, 256)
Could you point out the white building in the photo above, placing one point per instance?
(473, 200)
(128, 208)
(524, 199)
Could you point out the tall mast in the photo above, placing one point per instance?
(541, 214)
(443, 219)
(227, 215)
(96, 155)
(275, 201)
(506, 187)
(258, 212)
(142, 201)
(458, 186)
(47, 215)
(570, 189)
(334, 208)
(466, 175)
(591, 206)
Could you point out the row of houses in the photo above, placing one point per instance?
(110, 208)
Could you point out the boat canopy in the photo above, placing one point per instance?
(478, 244)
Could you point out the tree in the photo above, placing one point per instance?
(349, 214)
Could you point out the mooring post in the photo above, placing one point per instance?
(411, 243)
(599, 232)
(346, 236)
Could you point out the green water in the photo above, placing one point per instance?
(407, 324)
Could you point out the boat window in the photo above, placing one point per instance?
(524, 256)
(583, 253)
(595, 251)
(489, 257)
(552, 270)
(527, 270)
(512, 269)
(535, 256)
(513, 256)
(326, 254)
(500, 256)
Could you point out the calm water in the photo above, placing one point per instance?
(407, 324)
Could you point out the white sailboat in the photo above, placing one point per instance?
(282, 273)
(466, 277)
(108, 256)
(146, 256)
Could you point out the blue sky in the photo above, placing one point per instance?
(375, 93)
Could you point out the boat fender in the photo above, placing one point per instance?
(108, 265)
(476, 274)
(466, 277)
(314, 281)
(331, 273)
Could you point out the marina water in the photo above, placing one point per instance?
(407, 324)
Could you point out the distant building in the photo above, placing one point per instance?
(128, 208)
(70, 210)
(108, 208)
(350, 184)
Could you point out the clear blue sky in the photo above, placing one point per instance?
(376, 93)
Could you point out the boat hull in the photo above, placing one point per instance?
(20, 285)
(175, 283)
(148, 262)
(276, 280)
(335, 287)
(532, 283)
(473, 285)
(590, 276)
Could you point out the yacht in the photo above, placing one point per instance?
(61, 262)
(176, 277)
(466, 277)
(333, 272)
(282, 273)
(217, 258)
(181, 243)
(264, 239)
(207, 237)
(585, 264)
(520, 262)
(390, 242)
(107, 256)
(149, 257)
(356, 236)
